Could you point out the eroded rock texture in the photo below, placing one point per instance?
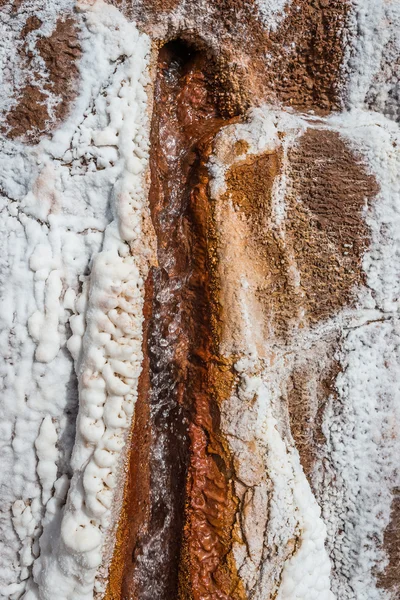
(200, 295)
(305, 45)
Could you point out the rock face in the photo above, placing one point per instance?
(200, 296)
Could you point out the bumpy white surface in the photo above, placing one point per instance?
(372, 66)
(73, 206)
(363, 443)
(271, 12)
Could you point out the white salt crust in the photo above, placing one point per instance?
(76, 204)
(272, 12)
(372, 54)
(360, 466)
(360, 473)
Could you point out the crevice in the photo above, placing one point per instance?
(179, 510)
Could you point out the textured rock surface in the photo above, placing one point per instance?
(200, 288)
(31, 117)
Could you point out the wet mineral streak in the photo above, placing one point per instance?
(180, 505)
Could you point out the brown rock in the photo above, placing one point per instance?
(297, 64)
(325, 220)
(389, 579)
(30, 117)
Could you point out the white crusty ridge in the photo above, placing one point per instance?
(107, 326)
(84, 211)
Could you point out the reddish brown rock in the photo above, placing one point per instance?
(389, 579)
(30, 117)
(175, 535)
(310, 386)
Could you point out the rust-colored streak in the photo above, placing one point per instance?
(207, 569)
(175, 535)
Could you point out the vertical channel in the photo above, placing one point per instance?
(179, 506)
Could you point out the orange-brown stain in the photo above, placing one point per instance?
(175, 532)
